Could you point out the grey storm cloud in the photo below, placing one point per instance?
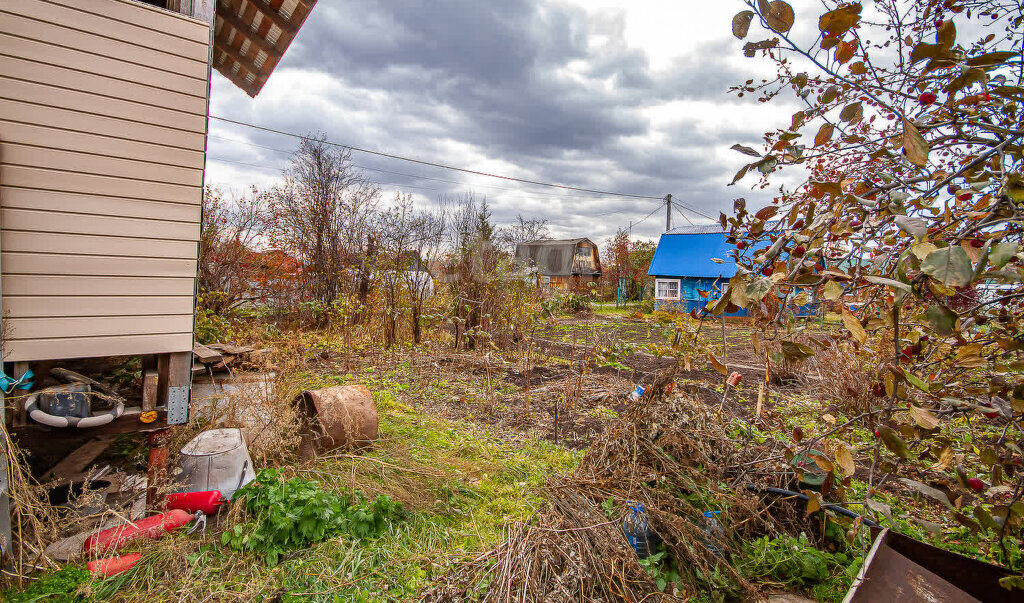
(542, 86)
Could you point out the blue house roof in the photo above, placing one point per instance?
(687, 251)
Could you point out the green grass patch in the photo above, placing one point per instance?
(459, 487)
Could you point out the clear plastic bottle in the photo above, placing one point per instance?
(637, 531)
(714, 534)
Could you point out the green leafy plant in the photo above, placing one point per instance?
(792, 561)
(288, 514)
(62, 585)
(210, 327)
(659, 567)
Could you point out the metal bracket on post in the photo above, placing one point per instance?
(177, 405)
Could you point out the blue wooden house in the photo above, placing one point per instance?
(683, 265)
(689, 259)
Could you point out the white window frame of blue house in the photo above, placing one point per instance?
(668, 281)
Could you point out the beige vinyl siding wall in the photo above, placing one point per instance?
(102, 138)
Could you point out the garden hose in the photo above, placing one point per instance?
(841, 510)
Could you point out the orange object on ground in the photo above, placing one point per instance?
(151, 527)
(208, 502)
(112, 566)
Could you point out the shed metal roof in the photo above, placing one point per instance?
(685, 254)
(697, 229)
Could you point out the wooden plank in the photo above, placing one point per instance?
(85, 102)
(91, 265)
(244, 62)
(205, 354)
(229, 17)
(20, 368)
(86, 244)
(141, 305)
(41, 285)
(70, 120)
(268, 12)
(93, 347)
(58, 202)
(234, 78)
(74, 464)
(100, 164)
(149, 390)
(77, 60)
(91, 184)
(141, 15)
(105, 326)
(98, 226)
(98, 45)
(53, 75)
(100, 24)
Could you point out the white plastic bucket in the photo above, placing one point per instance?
(217, 459)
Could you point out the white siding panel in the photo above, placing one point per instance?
(102, 151)
(102, 326)
(86, 265)
(42, 307)
(64, 119)
(71, 58)
(86, 347)
(101, 207)
(103, 165)
(86, 102)
(91, 184)
(51, 138)
(75, 18)
(144, 16)
(35, 221)
(86, 244)
(63, 77)
(36, 285)
(95, 44)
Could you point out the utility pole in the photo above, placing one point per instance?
(668, 212)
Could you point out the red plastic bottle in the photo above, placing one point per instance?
(151, 527)
(112, 566)
(208, 502)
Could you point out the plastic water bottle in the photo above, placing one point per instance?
(714, 534)
(638, 533)
(636, 394)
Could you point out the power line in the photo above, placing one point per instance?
(635, 224)
(263, 167)
(676, 205)
(422, 177)
(438, 165)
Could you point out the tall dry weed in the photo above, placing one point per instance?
(841, 375)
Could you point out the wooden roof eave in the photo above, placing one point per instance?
(234, 31)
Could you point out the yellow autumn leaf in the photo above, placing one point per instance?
(844, 459)
(853, 325)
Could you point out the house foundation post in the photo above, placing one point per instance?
(156, 469)
(174, 377)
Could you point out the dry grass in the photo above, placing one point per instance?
(33, 520)
(667, 454)
(846, 376)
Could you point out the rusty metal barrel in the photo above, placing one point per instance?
(344, 417)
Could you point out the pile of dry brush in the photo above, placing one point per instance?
(669, 453)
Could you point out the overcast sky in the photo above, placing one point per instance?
(620, 95)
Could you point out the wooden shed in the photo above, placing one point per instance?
(561, 264)
(103, 125)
